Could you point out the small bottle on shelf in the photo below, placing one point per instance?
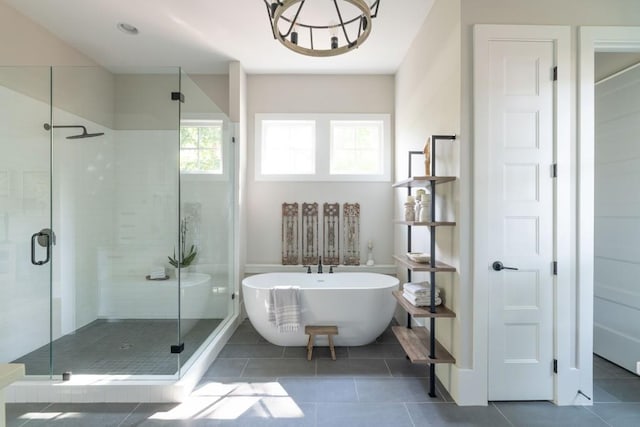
(409, 212)
(425, 210)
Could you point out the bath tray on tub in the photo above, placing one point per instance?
(148, 277)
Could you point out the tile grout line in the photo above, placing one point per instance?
(406, 408)
(244, 367)
(388, 368)
(129, 414)
(315, 418)
(588, 409)
(502, 413)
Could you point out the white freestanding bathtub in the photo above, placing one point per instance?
(360, 304)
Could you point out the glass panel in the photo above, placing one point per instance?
(115, 213)
(207, 216)
(25, 209)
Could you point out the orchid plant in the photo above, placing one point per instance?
(186, 257)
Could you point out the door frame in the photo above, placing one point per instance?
(591, 40)
(563, 285)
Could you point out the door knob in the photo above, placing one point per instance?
(498, 266)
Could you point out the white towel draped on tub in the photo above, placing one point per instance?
(284, 308)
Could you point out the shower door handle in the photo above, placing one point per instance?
(40, 236)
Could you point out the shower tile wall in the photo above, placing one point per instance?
(83, 186)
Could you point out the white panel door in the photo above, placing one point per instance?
(521, 222)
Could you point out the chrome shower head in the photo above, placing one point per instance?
(84, 133)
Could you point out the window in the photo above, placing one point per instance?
(356, 147)
(322, 147)
(288, 147)
(201, 147)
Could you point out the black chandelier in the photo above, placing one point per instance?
(346, 30)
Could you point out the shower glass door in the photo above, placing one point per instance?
(207, 217)
(115, 212)
(25, 216)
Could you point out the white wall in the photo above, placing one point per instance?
(609, 63)
(238, 117)
(427, 103)
(617, 220)
(316, 94)
(27, 43)
(216, 87)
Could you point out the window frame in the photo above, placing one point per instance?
(190, 120)
(323, 147)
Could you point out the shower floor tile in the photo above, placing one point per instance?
(119, 347)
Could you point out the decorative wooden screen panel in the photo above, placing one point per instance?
(331, 234)
(290, 254)
(351, 219)
(309, 233)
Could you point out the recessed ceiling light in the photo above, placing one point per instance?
(127, 28)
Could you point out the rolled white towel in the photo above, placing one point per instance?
(420, 301)
(417, 288)
(425, 295)
(420, 291)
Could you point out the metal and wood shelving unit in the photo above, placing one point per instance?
(420, 344)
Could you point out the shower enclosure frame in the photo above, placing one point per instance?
(55, 256)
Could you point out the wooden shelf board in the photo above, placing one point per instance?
(422, 181)
(425, 224)
(441, 310)
(416, 266)
(415, 343)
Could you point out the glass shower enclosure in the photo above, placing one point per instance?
(108, 182)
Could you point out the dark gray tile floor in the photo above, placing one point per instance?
(120, 347)
(254, 383)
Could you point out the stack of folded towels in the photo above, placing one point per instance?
(157, 272)
(419, 294)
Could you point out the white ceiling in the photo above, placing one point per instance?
(202, 36)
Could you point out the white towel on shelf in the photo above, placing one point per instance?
(420, 301)
(284, 308)
(425, 295)
(157, 272)
(422, 290)
(418, 288)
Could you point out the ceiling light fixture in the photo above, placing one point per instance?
(348, 28)
(127, 28)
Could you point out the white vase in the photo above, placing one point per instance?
(182, 272)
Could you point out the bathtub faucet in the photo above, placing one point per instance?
(319, 265)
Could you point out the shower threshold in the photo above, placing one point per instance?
(145, 383)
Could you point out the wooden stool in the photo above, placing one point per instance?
(312, 331)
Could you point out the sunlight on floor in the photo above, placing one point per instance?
(49, 415)
(271, 388)
(231, 401)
